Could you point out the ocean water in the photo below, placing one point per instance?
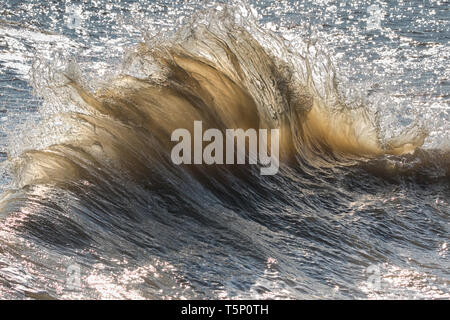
(92, 207)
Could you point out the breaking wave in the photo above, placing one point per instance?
(107, 194)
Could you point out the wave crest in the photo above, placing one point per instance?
(215, 70)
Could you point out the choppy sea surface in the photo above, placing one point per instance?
(91, 206)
